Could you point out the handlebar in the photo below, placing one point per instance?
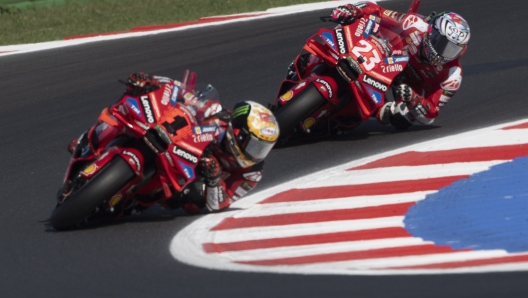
(135, 89)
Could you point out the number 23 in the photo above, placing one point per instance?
(366, 48)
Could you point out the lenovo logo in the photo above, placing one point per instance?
(341, 41)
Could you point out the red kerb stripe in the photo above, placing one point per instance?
(205, 20)
(313, 217)
(414, 158)
(373, 189)
(307, 240)
(414, 250)
(518, 126)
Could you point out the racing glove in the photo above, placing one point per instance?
(210, 169)
(142, 81)
(418, 106)
(216, 197)
(345, 14)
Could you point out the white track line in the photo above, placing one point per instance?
(272, 12)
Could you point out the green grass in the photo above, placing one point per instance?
(37, 21)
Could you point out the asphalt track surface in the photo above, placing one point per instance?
(50, 97)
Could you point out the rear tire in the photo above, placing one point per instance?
(92, 194)
(297, 110)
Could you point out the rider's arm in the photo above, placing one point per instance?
(241, 183)
(425, 109)
(445, 90)
(235, 186)
(388, 17)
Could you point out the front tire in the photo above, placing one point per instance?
(93, 193)
(297, 109)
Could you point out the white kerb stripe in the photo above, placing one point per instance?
(331, 204)
(258, 233)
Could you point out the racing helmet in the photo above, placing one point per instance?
(446, 38)
(252, 133)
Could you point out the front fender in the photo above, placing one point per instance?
(327, 86)
(132, 156)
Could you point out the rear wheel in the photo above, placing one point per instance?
(93, 193)
(297, 110)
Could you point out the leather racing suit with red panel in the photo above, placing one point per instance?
(430, 80)
(233, 163)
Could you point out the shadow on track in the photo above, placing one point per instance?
(152, 214)
(367, 130)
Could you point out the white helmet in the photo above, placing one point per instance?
(252, 134)
(446, 39)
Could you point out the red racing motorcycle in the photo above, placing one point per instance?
(143, 150)
(339, 79)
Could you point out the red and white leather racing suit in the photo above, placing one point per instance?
(433, 86)
(235, 181)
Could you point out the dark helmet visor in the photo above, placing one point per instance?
(443, 46)
(256, 149)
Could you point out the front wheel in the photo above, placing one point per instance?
(297, 109)
(92, 194)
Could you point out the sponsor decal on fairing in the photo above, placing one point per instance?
(361, 27)
(187, 170)
(288, 95)
(148, 109)
(169, 159)
(374, 83)
(327, 85)
(368, 28)
(167, 92)
(396, 59)
(204, 129)
(202, 138)
(374, 95)
(329, 38)
(391, 68)
(133, 160)
(299, 86)
(341, 41)
(134, 106)
(175, 94)
(188, 156)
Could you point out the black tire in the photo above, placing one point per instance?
(297, 110)
(92, 194)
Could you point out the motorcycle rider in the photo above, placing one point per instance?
(232, 164)
(433, 75)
